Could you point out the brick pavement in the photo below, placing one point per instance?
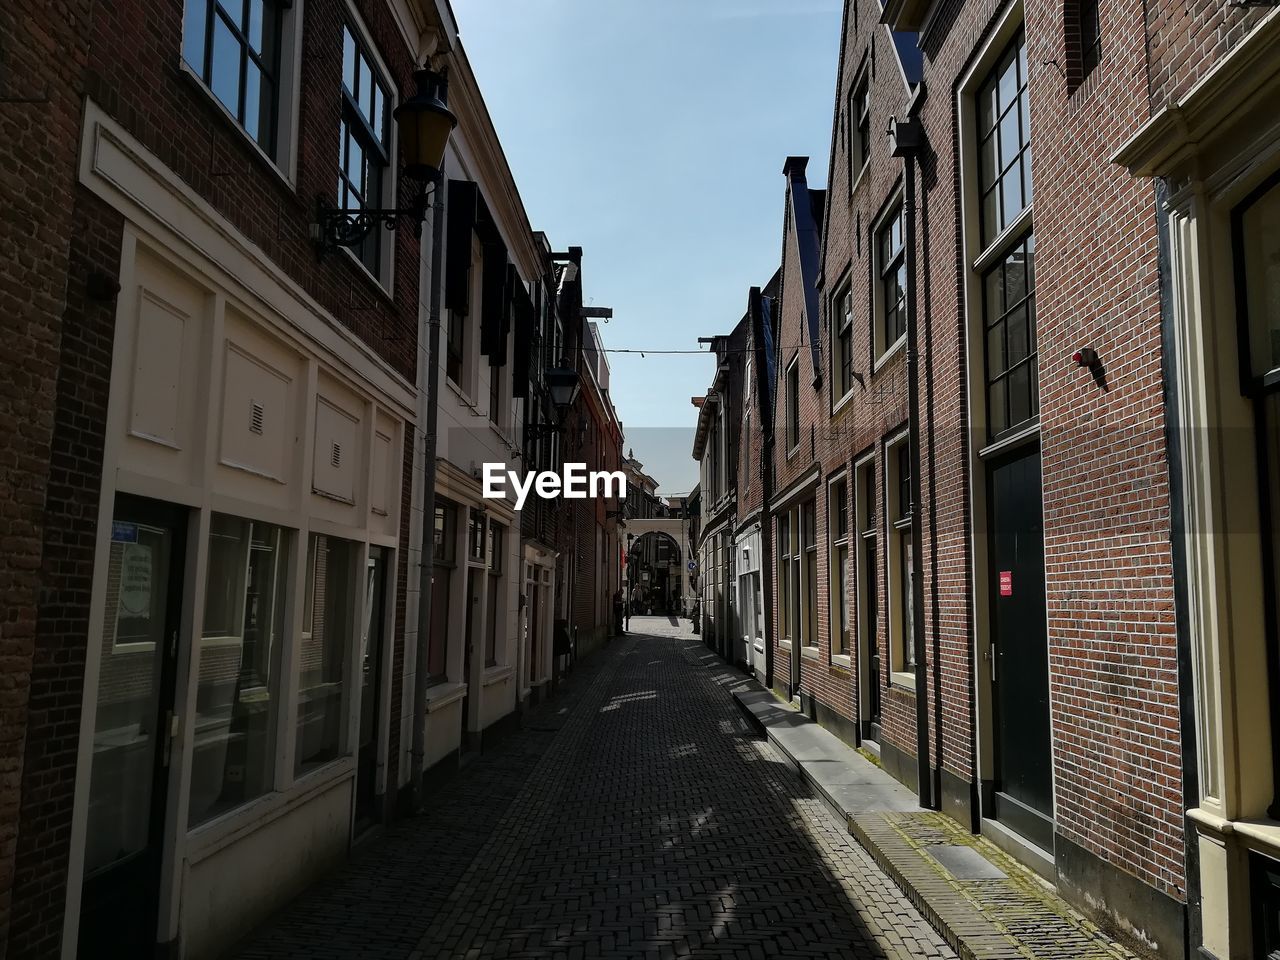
(636, 815)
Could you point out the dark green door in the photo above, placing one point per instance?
(1024, 768)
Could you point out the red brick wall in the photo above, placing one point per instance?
(1113, 657)
(1106, 499)
(71, 514)
(877, 409)
(42, 52)
(133, 72)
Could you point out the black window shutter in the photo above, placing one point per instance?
(493, 306)
(461, 225)
(526, 329)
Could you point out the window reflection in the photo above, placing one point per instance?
(238, 686)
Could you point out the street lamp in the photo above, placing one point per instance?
(424, 123)
(564, 384)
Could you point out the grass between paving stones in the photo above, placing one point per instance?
(922, 830)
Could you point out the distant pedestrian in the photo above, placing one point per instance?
(617, 612)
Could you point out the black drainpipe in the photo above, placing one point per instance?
(907, 136)
(1177, 532)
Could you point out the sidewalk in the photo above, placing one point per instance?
(984, 904)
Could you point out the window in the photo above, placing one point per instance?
(454, 346)
(838, 521)
(859, 130)
(333, 586)
(793, 404)
(809, 598)
(443, 561)
(891, 281)
(868, 587)
(1009, 310)
(238, 683)
(365, 147)
(898, 512)
(1008, 287)
(785, 598)
(842, 355)
(234, 47)
(1085, 22)
(476, 538)
(495, 395)
(1004, 142)
(497, 608)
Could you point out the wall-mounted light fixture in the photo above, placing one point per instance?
(424, 122)
(564, 384)
(1085, 357)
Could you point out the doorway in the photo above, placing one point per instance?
(372, 646)
(1020, 650)
(133, 730)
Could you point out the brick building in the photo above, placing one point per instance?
(213, 505)
(1019, 576)
(1202, 147)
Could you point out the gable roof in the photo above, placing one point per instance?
(807, 234)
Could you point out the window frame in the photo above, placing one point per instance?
(842, 378)
(840, 539)
(882, 348)
(1012, 54)
(793, 405)
(898, 522)
(858, 120)
(282, 156)
(352, 116)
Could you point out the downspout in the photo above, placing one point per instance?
(907, 137)
(427, 561)
(1182, 625)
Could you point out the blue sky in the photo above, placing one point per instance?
(652, 134)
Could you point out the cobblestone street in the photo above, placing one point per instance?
(635, 815)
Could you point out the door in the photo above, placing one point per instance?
(133, 730)
(372, 646)
(475, 587)
(872, 638)
(1020, 659)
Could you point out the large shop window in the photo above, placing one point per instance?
(327, 638)
(234, 47)
(838, 520)
(364, 143)
(238, 686)
(443, 562)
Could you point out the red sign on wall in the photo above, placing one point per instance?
(1006, 583)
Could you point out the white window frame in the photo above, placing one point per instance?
(880, 350)
(284, 162)
(840, 323)
(896, 533)
(837, 600)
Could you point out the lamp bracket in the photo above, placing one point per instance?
(336, 227)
